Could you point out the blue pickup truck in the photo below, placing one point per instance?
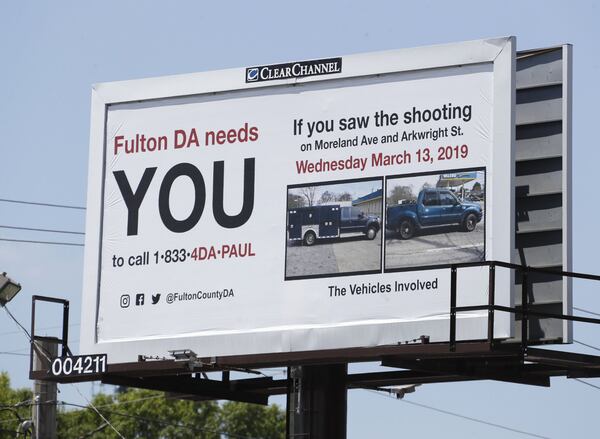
(433, 208)
(329, 221)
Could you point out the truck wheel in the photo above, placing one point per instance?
(371, 233)
(310, 238)
(470, 222)
(406, 229)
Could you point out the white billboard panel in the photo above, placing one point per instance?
(299, 206)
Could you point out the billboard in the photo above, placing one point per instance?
(300, 206)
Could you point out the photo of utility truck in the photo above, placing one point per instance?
(330, 221)
(334, 228)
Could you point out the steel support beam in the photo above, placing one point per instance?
(317, 402)
(510, 370)
(190, 386)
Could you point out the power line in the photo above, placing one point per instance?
(35, 203)
(42, 242)
(481, 421)
(18, 323)
(586, 383)
(120, 403)
(16, 350)
(16, 433)
(585, 310)
(7, 421)
(468, 418)
(31, 403)
(39, 348)
(34, 229)
(158, 421)
(40, 329)
(26, 349)
(141, 418)
(98, 412)
(94, 431)
(586, 345)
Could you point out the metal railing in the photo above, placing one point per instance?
(63, 341)
(524, 311)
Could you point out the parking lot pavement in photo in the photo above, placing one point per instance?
(437, 246)
(351, 253)
(357, 253)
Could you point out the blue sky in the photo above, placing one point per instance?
(52, 52)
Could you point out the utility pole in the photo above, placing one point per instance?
(317, 402)
(43, 410)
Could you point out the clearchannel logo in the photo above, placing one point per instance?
(252, 74)
(300, 69)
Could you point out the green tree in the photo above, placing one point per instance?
(15, 407)
(251, 420)
(146, 414)
(85, 423)
(141, 414)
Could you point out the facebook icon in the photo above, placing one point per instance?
(139, 299)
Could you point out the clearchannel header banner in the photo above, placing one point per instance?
(299, 214)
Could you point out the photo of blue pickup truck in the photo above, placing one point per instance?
(307, 224)
(435, 219)
(433, 208)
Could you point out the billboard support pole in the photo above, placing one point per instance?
(44, 393)
(524, 311)
(453, 308)
(491, 302)
(317, 402)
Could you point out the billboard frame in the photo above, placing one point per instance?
(500, 52)
(567, 183)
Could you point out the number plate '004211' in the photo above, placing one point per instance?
(78, 365)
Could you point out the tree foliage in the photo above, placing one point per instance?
(327, 197)
(400, 193)
(142, 414)
(344, 196)
(310, 193)
(146, 414)
(294, 201)
(14, 407)
(251, 420)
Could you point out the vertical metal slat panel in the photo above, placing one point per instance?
(542, 185)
